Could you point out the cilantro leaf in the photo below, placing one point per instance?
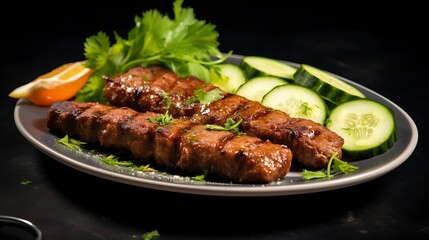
(92, 91)
(151, 235)
(71, 143)
(201, 177)
(162, 119)
(338, 166)
(145, 168)
(25, 182)
(230, 125)
(206, 97)
(308, 175)
(167, 99)
(113, 160)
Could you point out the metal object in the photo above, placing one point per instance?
(21, 224)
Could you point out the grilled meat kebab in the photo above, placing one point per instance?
(179, 145)
(145, 89)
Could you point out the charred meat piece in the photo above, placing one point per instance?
(145, 89)
(179, 145)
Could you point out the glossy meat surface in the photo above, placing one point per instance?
(178, 146)
(144, 89)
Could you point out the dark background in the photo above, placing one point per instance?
(383, 48)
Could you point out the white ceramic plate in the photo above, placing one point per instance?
(31, 122)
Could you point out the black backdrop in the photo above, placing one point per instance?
(381, 47)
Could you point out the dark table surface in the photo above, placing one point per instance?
(386, 53)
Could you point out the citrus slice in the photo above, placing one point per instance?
(62, 83)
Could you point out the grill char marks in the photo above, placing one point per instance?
(167, 143)
(141, 88)
(180, 146)
(244, 156)
(313, 143)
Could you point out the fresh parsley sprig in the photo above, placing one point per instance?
(335, 166)
(184, 44)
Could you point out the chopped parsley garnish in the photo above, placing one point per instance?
(200, 178)
(162, 119)
(26, 182)
(335, 166)
(230, 125)
(71, 143)
(306, 109)
(113, 160)
(151, 235)
(109, 159)
(167, 99)
(145, 168)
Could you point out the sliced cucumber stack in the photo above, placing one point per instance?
(255, 88)
(326, 85)
(368, 128)
(254, 66)
(297, 101)
(227, 76)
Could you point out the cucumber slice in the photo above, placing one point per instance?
(368, 127)
(255, 88)
(227, 76)
(297, 101)
(254, 66)
(326, 85)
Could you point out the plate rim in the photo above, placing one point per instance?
(230, 190)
